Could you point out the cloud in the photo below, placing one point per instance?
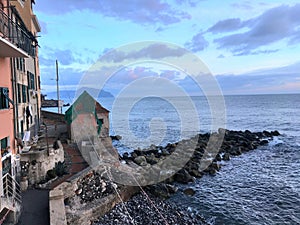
(242, 5)
(197, 44)
(169, 74)
(192, 3)
(258, 52)
(65, 57)
(67, 76)
(153, 51)
(137, 11)
(274, 25)
(267, 81)
(226, 25)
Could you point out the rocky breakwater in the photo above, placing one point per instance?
(95, 195)
(204, 160)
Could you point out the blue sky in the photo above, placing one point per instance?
(250, 47)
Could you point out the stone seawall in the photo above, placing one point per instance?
(67, 206)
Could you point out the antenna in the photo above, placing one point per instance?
(59, 110)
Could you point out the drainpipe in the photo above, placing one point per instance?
(15, 98)
(37, 97)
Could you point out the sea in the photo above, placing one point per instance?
(259, 187)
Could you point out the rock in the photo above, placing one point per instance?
(134, 155)
(144, 164)
(218, 157)
(152, 147)
(212, 171)
(139, 160)
(182, 176)
(139, 152)
(151, 159)
(263, 142)
(267, 133)
(216, 166)
(116, 137)
(213, 168)
(196, 173)
(79, 191)
(275, 133)
(235, 151)
(189, 191)
(165, 152)
(160, 190)
(125, 155)
(226, 156)
(172, 188)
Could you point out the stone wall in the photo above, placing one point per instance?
(57, 208)
(53, 116)
(40, 162)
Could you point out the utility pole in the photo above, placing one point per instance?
(58, 101)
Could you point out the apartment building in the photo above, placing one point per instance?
(19, 92)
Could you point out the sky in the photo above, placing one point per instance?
(248, 47)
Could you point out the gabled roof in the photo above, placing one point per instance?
(85, 103)
(100, 108)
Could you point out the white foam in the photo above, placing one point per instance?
(275, 141)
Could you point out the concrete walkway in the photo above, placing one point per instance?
(35, 208)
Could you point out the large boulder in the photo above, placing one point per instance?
(182, 176)
(189, 191)
(140, 160)
(160, 190)
(226, 156)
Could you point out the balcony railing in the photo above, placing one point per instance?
(16, 34)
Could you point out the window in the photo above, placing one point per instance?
(4, 98)
(6, 168)
(20, 64)
(19, 94)
(4, 146)
(23, 64)
(30, 78)
(24, 94)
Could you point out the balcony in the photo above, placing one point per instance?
(15, 41)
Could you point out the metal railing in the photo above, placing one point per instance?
(16, 34)
(11, 189)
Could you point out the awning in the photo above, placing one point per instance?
(7, 49)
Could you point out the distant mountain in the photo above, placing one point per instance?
(70, 94)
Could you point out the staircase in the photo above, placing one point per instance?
(10, 200)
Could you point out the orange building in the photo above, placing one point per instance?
(19, 94)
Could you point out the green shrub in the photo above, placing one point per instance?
(60, 168)
(51, 174)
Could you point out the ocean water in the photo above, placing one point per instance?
(259, 187)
